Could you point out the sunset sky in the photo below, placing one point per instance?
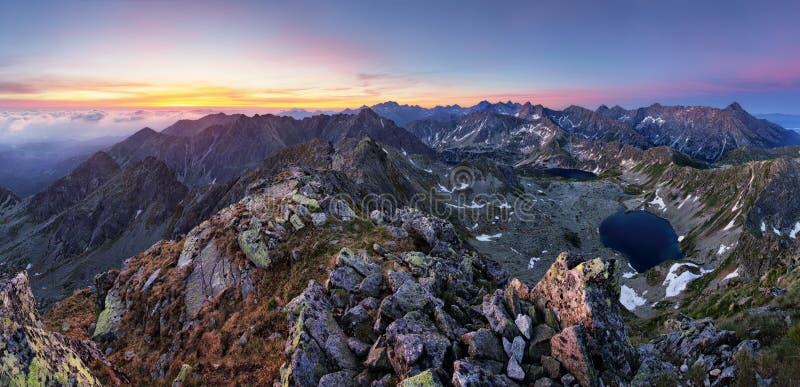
(335, 54)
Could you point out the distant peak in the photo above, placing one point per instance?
(367, 112)
(735, 107)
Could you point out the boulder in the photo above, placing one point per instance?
(30, 354)
(571, 348)
(254, 248)
(483, 344)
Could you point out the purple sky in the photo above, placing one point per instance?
(333, 54)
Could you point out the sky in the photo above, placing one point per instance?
(82, 56)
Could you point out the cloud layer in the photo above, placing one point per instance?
(26, 125)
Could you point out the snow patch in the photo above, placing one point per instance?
(795, 230)
(488, 238)
(734, 274)
(723, 248)
(658, 202)
(680, 238)
(532, 262)
(677, 283)
(630, 299)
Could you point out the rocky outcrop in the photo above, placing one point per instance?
(33, 356)
(7, 199)
(593, 340)
(693, 349)
(437, 319)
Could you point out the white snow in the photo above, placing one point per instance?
(629, 299)
(680, 238)
(138, 212)
(734, 274)
(795, 230)
(677, 283)
(629, 274)
(763, 227)
(658, 202)
(29, 266)
(488, 238)
(532, 262)
(444, 189)
(655, 120)
(730, 225)
(776, 231)
(723, 248)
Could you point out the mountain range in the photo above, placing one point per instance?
(377, 246)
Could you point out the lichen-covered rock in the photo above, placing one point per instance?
(211, 275)
(30, 355)
(484, 344)
(571, 348)
(252, 244)
(427, 378)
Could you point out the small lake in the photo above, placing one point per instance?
(645, 239)
(565, 173)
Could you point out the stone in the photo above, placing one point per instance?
(184, 373)
(483, 344)
(318, 219)
(377, 217)
(398, 278)
(524, 324)
(542, 333)
(684, 368)
(376, 358)
(517, 350)
(345, 277)
(413, 345)
(305, 201)
(336, 379)
(514, 371)
(493, 308)
(30, 354)
(358, 347)
(470, 372)
(372, 285)
(254, 248)
(544, 382)
(296, 222)
(551, 367)
(243, 339)
(340, 210)
(409, 297)
(427, 378)
(571, 348)
(715, 372)
(568, 380)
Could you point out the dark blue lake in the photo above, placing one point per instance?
(568, 173)
(645, 239)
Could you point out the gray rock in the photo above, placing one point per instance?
(494, 310)
(517, 349)
(243, 339)
(568, 380)
(483, 344)
(470, 372)
(345, 277)
(413, 345)
(372, 285)
(377, 217)
(409, 297)
(358, 347)
(544, 382)
(336, 379)
(542, 333)
(552, 367)
(296, 222)
(524, 324)
(514, 371)
(318, 219)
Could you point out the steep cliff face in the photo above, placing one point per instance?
(34, 356)
(7, 199)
